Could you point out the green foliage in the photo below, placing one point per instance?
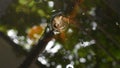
(102, 53)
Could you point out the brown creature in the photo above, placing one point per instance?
(61, 20)
(59, 23)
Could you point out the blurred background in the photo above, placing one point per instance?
(92, 38)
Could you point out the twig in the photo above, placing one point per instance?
(109, 36)
(104, 49)
(100, 45)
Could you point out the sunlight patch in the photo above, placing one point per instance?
(42, 60)
(12, 33)
(82, 60)
(69, 66)
(85, 43)
(50, 3)
(59, 66)
(50, 44)
(51, 48)
(92, 11)
(70, 30)
(94, 25)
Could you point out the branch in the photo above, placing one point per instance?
(15, 46)
(33, 55)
